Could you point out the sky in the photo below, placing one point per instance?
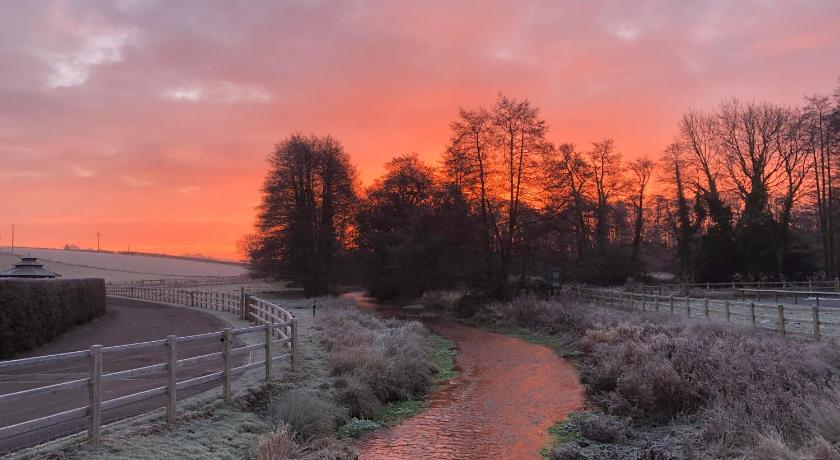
(150, 121)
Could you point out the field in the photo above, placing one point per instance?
(76, 264)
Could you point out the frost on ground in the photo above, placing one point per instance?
(207, 427)
(678, 388)
(296, 415)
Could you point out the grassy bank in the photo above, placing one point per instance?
(666, 388)
(376, 372)
(306, 415)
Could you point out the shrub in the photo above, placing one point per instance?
(357, 397)
(305, 413)
(442, 299)
(33, 312)
(737, 384)
(375, 360)
(283, 444)
(567, 451)
(604, 428)
(562, 315)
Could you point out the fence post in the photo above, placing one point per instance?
(171, 378)
(268, 354)
(671, 303)
(192, 299)
(781, 320)
(226, 346)
(242, 302)
(816, 313)
(95, 395)
(752, 313)
(294, 344)
(728, 311)
(837, 284)
(688, 306)
(810, 285)
(656, 303)
(706, 307)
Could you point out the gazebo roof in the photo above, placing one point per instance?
(28, 267)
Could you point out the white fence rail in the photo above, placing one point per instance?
(812, 322)
(280, 343)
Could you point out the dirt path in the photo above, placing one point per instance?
(125, 321)
(508, 393)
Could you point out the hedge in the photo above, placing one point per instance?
(35, 311)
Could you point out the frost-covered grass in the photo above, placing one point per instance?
(684, 384)
(258, 424)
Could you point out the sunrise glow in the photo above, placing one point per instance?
(150, 122)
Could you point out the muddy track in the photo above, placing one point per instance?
(507, 395)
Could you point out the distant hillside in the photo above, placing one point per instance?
(152, 264)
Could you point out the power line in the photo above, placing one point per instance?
(97, 241)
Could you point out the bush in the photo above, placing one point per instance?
(280, 444)
(375, 360)
(737, 384)
(33, 312)
(357, 397)
(562, 315)
(283, 444)
(305, 413)
(445, 300)
(604, 428)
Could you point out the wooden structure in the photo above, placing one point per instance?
(280, 344)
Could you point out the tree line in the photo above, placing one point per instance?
(744, 191)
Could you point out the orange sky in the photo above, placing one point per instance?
(150, 121)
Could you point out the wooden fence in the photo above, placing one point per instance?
(812, 322)
(833, 285)
(192, 281)
(280, 343)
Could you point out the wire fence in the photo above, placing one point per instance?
(812, 322)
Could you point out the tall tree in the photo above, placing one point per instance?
(642, 170)
(607, 182)
(306, 211)
(684, 229)
(520, 139)
(493, 156)
(820, 146)
(748, 135)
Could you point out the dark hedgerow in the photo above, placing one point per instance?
(33, 312)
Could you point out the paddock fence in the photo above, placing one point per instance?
(810, 322)
(110, 383)
(185, 282)
(810, 285)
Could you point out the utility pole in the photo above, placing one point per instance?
(13, 238)
(97, 241)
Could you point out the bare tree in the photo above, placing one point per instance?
(642, 170)
(818, 113)
(607, 182)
